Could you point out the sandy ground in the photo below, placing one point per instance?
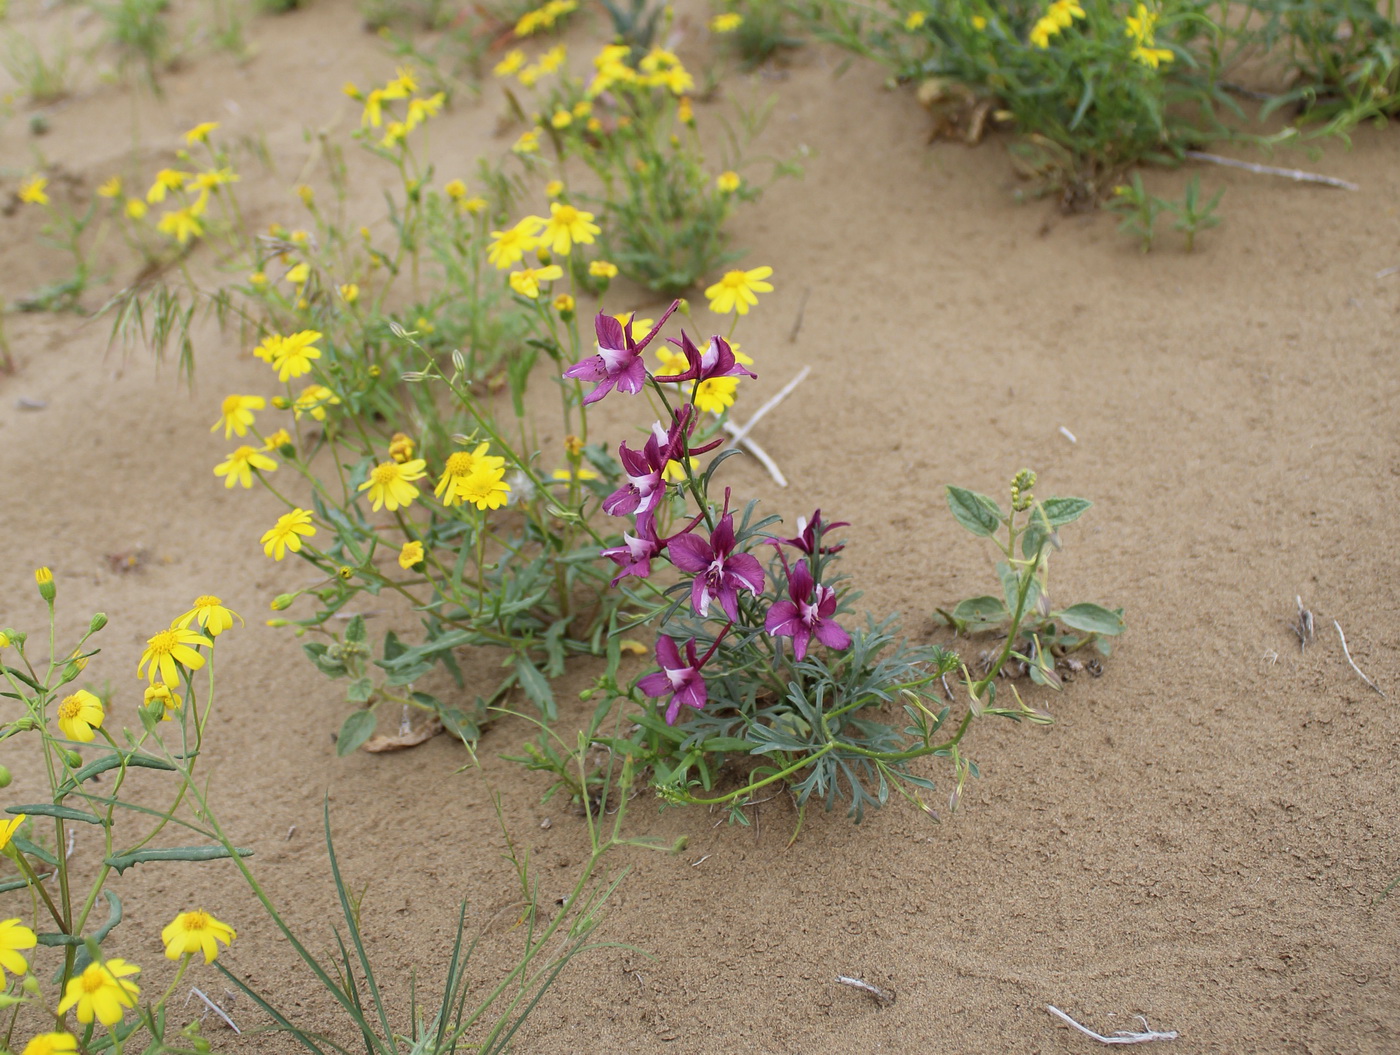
(1202, 836)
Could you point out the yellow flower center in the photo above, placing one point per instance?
(232, 405)
(94, 979)
(734, 280)
(460, 464)
(70, 708)
(566, 216)
(207, 601)
(164, 643)
(196, 921)
(385, 474)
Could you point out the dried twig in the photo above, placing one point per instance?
(1298, 175)
(1354, 667)
(1386, 272)
(1122, 1036)
(759, 453)
(782, 394)
(1304, 626)
(874, 990)
(801, 309)
(214, 1008)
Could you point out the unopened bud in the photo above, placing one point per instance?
(30, 985)
(97, 622)
(5, 777)
(283, 601)
(71, 757)
(47, 590)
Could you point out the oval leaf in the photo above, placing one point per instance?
(1063, 510)
(1093, 619)
(354, 731)
(978, 513)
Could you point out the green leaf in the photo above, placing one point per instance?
(981, 613)
(360, 690)
(1060, 511)
(24, 846)
(103, 764)
(355, 629)
(358, 727)
(20, 884)
(48, 809)
(121, 862)
(976, 512)
(1011, 586)
(536, 687)
(1092, 619)
(457, 722)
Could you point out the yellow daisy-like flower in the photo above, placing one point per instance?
(236, 414)
(52, 1044)
(914, 20)
(31, 191)
(728, 182)
(79, 714)
(715, 395)
(9, 827)
(1042, 31)
(136, 209)
(298, 275)
(509, 247)
(166, 180)
(294, 354)
(240, 465)
(411, 554)
(102, 992)
(727, 22)
(555, 187)
(211, 614)
(168, 651)
(287, 533)
(567, 227)
(314, 400)
(736, 290)
(602, 269)
(527, 282)
(528, 143)
(564, 304)
(484, 489)
(169, 700)
(192, 932)
(390, 485)
(15, 936)
(181, 225)
(401, 447)
(1153, 57)
(110, 188)
(280, 438)
(674, 472)
(510, 64)
(349, 292)
(455, 189)
(462, 464)
(419, 110)
(200, 132)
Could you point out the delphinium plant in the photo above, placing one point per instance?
(759, 656)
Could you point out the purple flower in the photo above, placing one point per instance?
(645, 487)
(809, 531)
(635, 555)
(717, 360)
(807, 615)
(618, 363)
(719, 572)
(680, 677)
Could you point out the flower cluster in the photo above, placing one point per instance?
(720, 573)
(404, 86)
(1140, 27)
(544, 18)
(1059, 17)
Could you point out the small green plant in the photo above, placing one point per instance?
(139, 32)
(1038, 634)
(43, 78)
(1138, 209)
(1191, 215)
(755, 30)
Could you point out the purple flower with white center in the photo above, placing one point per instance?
(635, 555)
(618, 363)
(717, 360)
(679, 677)
(807, 615)
(719, 572)
(808, 533)
(643, 491)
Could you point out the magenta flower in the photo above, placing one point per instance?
(719, 572)
(635, 555)
(717, 360)
(807, 615)
(808, 532)
(679, 677)
(618, 363)
(645, 487)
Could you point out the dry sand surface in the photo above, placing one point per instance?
(1200, 838)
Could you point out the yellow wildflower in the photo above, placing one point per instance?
(52, 1044)
(567, 227)
(313, 400)
(349, 292)
(168, 699)
(728, 182)
(200, 132)
(14, 936)
(287, 533)
(192, 932)
(455, 189)
(735, 291)
(294, 354)
(511, 64)
(9, 827)
(564, 304)
(79, 714)
(277, 440)
(210, 613)
(181, 225)
(31, 191)
(101, 991)
(602, 269)
(462, 464)
(485, 490)
(527, 282)
(110, 188)
(510, 246)
(135, 208)
(554, 188)
(400, 447)
(914, 20)
(236, 414)
(169, 650)
(166, 180)
(528, 143)
(411, 554)
(727, 22)
(390, 484)
(240, 465)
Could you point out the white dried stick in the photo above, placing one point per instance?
(1122, 1036)
(1354, 667)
